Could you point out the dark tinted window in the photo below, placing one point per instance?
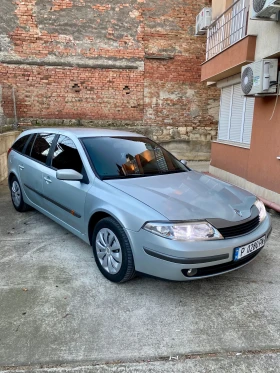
(29, 144)
(130, 157)
(66, 155)
(42, 146)
(20, 143)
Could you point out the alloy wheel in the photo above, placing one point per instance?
(16, 193)
(108, 250)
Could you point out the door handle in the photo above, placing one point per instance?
(21, 167)
(48, 180)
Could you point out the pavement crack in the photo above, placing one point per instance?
(155, 359)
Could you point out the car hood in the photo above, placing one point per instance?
(189, 196)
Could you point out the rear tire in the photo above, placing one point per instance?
(16, 195)
(112, 251)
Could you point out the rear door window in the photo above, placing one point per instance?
(20, 143)
(66, 155)
(29, 144)
(42, 146)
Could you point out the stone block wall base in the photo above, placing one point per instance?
(191, 150)
(6, 141)
(3, 167)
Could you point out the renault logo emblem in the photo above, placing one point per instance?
(239, 213)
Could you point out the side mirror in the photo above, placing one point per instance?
(70, 175)
(185, 163)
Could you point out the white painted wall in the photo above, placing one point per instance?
(268, 40)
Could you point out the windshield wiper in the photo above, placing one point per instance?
(172, 172)
(127, 176)
(134, 176)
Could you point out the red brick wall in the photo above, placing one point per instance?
(174, 94)
(74, 93)
(93, 60)
(83, 28)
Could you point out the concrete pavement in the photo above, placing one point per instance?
(58, 314)
(260, 363)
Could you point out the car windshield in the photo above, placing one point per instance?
(127, 157)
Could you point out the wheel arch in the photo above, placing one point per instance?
(11, 175)
(95, 218)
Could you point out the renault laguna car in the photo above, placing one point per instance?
(140, 208)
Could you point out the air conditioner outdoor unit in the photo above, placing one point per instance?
(203, 20)
(259, 77)
(266, 8)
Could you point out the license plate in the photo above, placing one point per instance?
(241, 252)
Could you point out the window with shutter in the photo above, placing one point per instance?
(225, 108)
(249, 114)
(236, 115)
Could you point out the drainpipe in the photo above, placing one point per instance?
(271, 205)
(15, 108)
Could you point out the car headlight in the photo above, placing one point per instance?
(193, 231)
(261, 207)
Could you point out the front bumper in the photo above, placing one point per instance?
(160, 257)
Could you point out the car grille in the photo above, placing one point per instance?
(239, 230)
(220, 268)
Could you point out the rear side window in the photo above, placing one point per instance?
(20, 143)
(41, 147)
(29, 144)
(66, 155)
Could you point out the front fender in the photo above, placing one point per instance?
(128, 211)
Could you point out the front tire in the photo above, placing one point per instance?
(112, 251)
(16, 195)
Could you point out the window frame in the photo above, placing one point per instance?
(48, 156)
(25, 145)
(80, 139)
(85, 179)
(100, 177)
(32, 135)
(48, 162)
(229, 141)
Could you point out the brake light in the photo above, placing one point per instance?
(8, 152)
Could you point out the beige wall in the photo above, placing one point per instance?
(219, 6)
(6, 141)
(268, 40)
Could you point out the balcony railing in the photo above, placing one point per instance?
(228, 29)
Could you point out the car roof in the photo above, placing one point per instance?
(82, 132)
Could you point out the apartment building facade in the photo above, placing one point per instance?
(247, 149)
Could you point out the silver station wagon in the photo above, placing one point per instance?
(140, 208)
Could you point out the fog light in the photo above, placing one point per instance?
(191, 272)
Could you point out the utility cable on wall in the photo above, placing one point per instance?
(278, 93)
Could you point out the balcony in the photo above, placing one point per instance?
(228, 29)
(228, 45)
